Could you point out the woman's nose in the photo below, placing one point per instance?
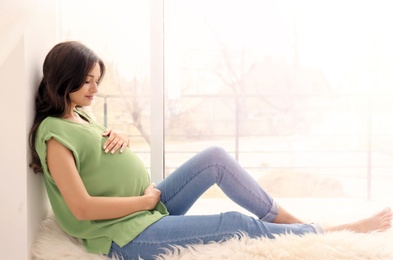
(94, 87)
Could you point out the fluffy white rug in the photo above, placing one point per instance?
(335, 245)
(52, 243)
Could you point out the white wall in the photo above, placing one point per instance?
(27, 32)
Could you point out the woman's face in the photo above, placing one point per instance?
(85, 95)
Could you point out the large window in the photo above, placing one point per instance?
(297, 91)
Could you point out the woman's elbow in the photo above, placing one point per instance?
(81, 210)
(81, 213)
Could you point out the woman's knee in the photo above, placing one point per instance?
(216, 152)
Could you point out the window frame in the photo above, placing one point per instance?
(157, 154)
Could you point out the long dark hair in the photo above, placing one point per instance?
(65, 69)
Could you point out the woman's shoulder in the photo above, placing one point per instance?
(48, 128)
(51, 125)
(50, 121)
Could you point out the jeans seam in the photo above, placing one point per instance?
(225, 235)
(228, 171)
(244, 187)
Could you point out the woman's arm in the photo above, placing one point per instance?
(85, 207)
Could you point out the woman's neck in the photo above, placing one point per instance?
(75, 117)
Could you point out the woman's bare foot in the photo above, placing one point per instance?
(378, 222)
(284, 217)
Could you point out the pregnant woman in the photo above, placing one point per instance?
(101, 193)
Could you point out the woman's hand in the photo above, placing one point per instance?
(115, 141)
(153, 195)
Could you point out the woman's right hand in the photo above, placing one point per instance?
(153, 196)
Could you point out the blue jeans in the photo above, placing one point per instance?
(184, 186)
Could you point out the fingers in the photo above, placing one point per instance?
(115, 141)
(123, 147)
(153, 191)
(113, 145)
(152, 186)
(106, 132)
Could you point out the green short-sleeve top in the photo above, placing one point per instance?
(103, 174)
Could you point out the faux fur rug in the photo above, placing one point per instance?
(52, 243)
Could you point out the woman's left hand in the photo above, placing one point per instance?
(115, 141)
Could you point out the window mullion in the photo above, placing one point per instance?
(157, 89)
